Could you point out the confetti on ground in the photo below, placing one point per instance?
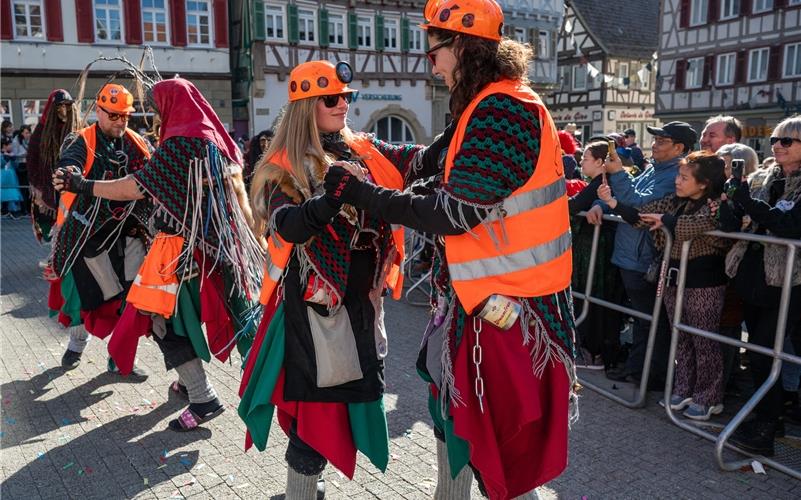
(40, 455)
(68, 466)
(161, 466)
(176, 494)
(200, 466)
(243, 485)
(147, 481)
(66, 421)
(230, 479)
(7, 401)
(757, 467)
(407, 433)
(11, 421)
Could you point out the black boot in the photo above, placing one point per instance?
(792, 408)
(755, 437)
(70, 359)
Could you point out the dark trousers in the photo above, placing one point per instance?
(301, 457)
(643, 296)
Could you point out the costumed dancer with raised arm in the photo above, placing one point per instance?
(498, 351)
(204, 266)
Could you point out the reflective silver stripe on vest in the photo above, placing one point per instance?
(273, 271)
(530, 200)
(518, 261)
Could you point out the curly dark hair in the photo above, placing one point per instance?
(481, 62)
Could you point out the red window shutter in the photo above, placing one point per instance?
(681, 73)
(779, 4)
(741, 68)
(178, 22)
(775, 63)
(54, 26)
(713, 11)
(221, 23)
(6, 26)
(132, 10)
(745, 7)
(86, 21)
(684, 14)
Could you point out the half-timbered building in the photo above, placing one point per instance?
(737, 57)
(606, 67)
(46, 43)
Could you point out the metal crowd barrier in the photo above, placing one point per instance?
(419, 284)
(776, 353)
(587, 298)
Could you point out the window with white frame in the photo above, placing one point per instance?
(695, 73)
(762, 6)
(273, 22)
(724, 74)
(306, 24)
(108, 21)
(698, 10)
(198, 22)
(623, 73)
(564, 77)
(5, 110)
(520, 35)
(758, 65)
(391, 34)
(416, 37)
(394, 130)
(364, 32)
(32, 110)
(336, 30)
(580, 77)
(154, 21)
(792, 60)
(544, 45)
(645, 78)
(729, 9)
(28, 19)
(795, 2)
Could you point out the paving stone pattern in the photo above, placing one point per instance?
(90, 434)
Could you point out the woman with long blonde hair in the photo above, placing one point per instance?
(318, 354)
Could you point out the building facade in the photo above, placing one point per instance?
(737, 57)
(606, 67)
(46, 43)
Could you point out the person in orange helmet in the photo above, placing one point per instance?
(318, 354)
(98, 243)
(498, 352)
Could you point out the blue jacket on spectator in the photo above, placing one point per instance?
(634, 248)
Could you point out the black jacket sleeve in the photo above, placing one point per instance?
(421, 213)
(73, 152)
(730, 218)
(430, 163)
(298, 223)
(629, 213)
(782, 223)
(583, 199)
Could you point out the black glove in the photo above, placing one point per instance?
(740, 193)
(74, 181)
(341, 185)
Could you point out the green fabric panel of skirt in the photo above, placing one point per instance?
(186, 320)
(72, 301)
(458, 450)
(255, 408)
(368, 424)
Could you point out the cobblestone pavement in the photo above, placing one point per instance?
(89, 434)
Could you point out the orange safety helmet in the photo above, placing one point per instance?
(319, 78)
(481, 18)
(115, 98)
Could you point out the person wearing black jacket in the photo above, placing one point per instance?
(759, 269)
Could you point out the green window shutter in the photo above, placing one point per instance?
(404, 28)
(322, 20)
(352, 27)
(293, 23)
(258, 20)
(379, 33)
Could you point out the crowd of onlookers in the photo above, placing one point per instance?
(689, 191)
(13, 170)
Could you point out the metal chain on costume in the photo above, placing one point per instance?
(478, 356)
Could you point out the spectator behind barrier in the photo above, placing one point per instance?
(737, 151)
(630, 136)
(634, 251)
(720, 130)
(758, 270)
(569, 146)
(688, 214)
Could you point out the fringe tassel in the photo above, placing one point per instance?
(448, 390)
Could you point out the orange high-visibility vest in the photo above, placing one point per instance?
(385, 174)
(155, 288)
(89, 135)
(535, 259)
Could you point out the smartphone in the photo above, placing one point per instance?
(612, 150)
(737, 168)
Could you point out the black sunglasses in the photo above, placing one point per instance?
(785, 141)
(331, 101)
(116, 116)
(430, 53)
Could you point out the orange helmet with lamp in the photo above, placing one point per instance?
(481, 18)
(115, 98)
(319, 78)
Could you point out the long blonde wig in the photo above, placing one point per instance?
(298, 135)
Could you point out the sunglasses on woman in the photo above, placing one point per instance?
(430, 53)
(116, 116)
(784, 141)
(331, 101)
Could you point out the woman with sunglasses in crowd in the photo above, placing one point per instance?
(318, 354)
(498, 351)
(759, 271)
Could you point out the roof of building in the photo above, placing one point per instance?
(626, 28)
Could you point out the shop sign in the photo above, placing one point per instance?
(636, 115)
(380, 97)
(757, 131)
